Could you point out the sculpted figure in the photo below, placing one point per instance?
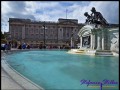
(89, 18)
(97, 17)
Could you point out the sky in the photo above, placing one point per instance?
(53, 10)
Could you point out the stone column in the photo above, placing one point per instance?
(102, 40)
(93, 46)
(91, 41)
(71, 43)
(81, 42)
(98, 41)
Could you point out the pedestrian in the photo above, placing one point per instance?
(9, 46)
(20, 46)
(3, 47)
(28, 46)
(6, 46)
(24, 46)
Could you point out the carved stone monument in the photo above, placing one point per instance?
(96, 34)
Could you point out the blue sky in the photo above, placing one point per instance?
(53, 10)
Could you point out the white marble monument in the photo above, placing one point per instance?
(101, 38)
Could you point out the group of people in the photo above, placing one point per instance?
(95, 17)
(53, 47)
(6, 46)
(24, 46)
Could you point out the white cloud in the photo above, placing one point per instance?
(52, 11)
(109, 10)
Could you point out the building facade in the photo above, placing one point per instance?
(59, 33)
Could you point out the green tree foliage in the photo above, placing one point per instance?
(3, 41)
(2, 35)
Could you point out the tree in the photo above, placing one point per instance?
(2, 36)
(14, 43)
(3, 41)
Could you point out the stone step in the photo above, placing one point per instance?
(77, 51)
(103, 52)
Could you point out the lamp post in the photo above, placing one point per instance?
(71, 40)
(44, 32)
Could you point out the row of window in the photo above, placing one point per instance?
(42, 41)
(40, 26)
(36, 26)
(41, 31)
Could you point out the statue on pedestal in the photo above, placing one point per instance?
(95, 18)
(89, 18)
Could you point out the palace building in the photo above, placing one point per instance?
(59, 33)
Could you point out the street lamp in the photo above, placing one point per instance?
(44, 32)
(71, 40)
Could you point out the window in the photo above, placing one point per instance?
(32, 31)
(41, 35)
(37, 36)
(67, 34)
(41, 31)
(36, 30)
(26, 25)
(16, 30)
(29, 31)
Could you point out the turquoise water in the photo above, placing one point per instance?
(59, 70)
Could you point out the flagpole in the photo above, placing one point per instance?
(66, 13)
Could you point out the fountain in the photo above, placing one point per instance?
(98, 37)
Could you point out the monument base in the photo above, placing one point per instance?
(104, 52)
(93, 52)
